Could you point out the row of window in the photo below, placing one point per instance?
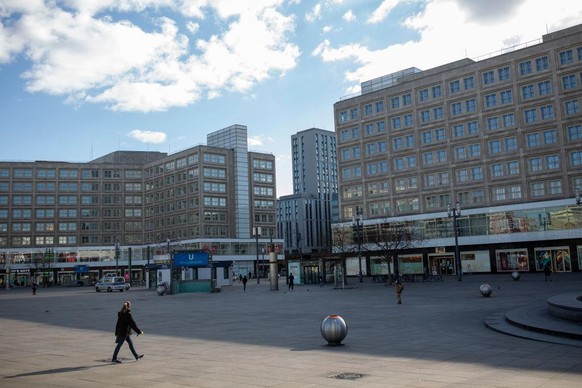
(531, 115)
(476, 197)
(65, 173)
(535, 164)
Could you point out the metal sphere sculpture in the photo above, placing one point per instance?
(486, 290)
(515, 275)
(334, 329)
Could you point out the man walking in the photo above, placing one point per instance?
(291, 281)
(399, 289)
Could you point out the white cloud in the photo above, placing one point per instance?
(349, 16)
(148, 136)
(255, 141)
(315, 13)
(110, 61)
(326, 29)
(192, 27)
(442, 41)
(383, 11)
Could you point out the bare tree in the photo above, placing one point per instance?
(42, 263)
(342, 244)
(388, 239)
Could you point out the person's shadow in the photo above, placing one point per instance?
(60, 370)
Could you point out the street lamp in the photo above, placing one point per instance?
(257, 232)
(455, 213)
(357, 221)
(116, 258)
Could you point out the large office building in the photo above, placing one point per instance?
(304, 218)
(129, 209)
(502, 136)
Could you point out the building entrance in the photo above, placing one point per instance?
(442, 264)
(310, 274)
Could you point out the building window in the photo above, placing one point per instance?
(456, 108)
(576, 158)
(367, 109)
(527, 92)
(515, 192)
(490, 100)
(395, 102)
(438, 113)
(407, 99)
(397, 143)
(436, 91)
(508, 120)
(552, 162)
(544, 88)
(503, 73)
(488, 77)
(513, 168)
(499, 194)
(381, 126)
(454, 86)
(423, 95)
(442, 156)
(472, 127)
(572, 107)
(425, 116)
(471, 105)
(530, 115)
(566, 57)
(460, 153)
(408, 120)
(511, 144)
(379, 106)
(550, 136)
(535, 164)
(555, 187)
(542, 63)
(494, 146)
(427, 137)
(525, 68)
(475, 150)
(497, 170)
(469, 83)
(459, 130)
(506, 97)
(538, 189)
(547, 112)
(569, 82)
(396, 123)
(492, 123)
(354, 114)
(574, 132)
(532, 140)
(439, 134)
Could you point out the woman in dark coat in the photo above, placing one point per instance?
(125, 324)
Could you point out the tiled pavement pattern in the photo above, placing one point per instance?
(63, 337)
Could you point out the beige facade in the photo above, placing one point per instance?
(502, 136)
(502, 130)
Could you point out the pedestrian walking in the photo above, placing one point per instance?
(33, 288)
(125, 324)
(320, 281)
(399, 289)
(291, 281)
(548, 272)
(244, 281)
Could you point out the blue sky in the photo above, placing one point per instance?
(82, 78)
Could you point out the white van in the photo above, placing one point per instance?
(111, 283)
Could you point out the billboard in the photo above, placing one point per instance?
(191, 259)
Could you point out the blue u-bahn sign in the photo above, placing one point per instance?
(191, 259)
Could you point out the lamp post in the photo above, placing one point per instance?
(455, 213)
(116, 258)
(257, 232)
(357, 221)
(171, 290)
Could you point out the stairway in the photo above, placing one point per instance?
(559, 322)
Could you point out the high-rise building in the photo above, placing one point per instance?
(126, 209)
(500, 135)
(304, 218)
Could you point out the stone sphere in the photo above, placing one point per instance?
(334, 329)
(486, 290)
(515, 275)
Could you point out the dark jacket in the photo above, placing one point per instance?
(125, 324)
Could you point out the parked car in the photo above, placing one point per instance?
(111, 283)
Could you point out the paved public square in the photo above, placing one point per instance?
(63, 337)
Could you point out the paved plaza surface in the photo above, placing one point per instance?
(63, 337)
